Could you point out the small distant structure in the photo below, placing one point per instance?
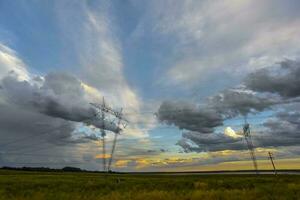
(271, 157)
(247, 135)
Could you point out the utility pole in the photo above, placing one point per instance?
(247, 135)
(271, 158)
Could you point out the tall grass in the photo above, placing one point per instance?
(88, 186)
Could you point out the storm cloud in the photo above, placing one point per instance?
(197, 142)
(57, 95)
(282, 130)
(203, 119)
(234, 102)
(189, 116)
(38, 122)
(282, 79)
(275, 87)
(25, 133)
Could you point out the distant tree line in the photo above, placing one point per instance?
(47, 169)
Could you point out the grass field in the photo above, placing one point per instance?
(89, 186)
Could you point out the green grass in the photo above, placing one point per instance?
(18, 185)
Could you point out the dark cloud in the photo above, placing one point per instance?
(185, 145)
(197, 142)
(33, 139)
(274, 86)
(25, 132)
(38, 122)
(282, 79)
(59, 95)
(16, 121)
(151, 151)
(234, 102)
(156, 151)
(92, 137)
(203, 119)
(188, 116)
(163, 150)
(282, 130)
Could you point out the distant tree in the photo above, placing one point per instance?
(71, 169)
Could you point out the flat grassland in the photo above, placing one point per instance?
(20, 185)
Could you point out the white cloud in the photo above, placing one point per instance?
(11, 63)
(96, 44)
(231, 133)
(228, 36)
(33, 122)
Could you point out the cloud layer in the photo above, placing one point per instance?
(274, 88)
(282, 79)
(189, 116)
(56, 95)
(206, 48)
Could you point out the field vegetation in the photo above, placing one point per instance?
(21, 185)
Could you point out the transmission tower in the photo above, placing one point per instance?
(115, 140)
(121, 122)
(271, 158)
(247, 135)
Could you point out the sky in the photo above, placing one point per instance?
(187, 74)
